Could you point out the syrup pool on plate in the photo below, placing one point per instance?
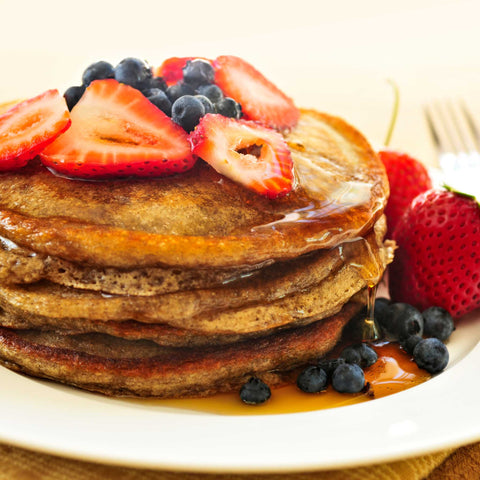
(393, 372)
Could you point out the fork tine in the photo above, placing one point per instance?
(433, 130)
(456, 137)
(475, 132)
(463, 127)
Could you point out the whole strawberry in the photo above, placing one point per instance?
(408, 178)
(438, 257)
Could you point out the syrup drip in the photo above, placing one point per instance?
(370, 329)
(393, 372)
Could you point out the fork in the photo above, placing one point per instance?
(456, 137)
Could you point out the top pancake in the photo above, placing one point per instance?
(200, 219)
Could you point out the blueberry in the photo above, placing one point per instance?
(178, 90)
(350, 355)
(228, 107)
(207, 104)
(381, 311)
(212, 92)
(198, 72)
(312, 380)
(367, 354)
(360, 354)
(255, 392)
(156, 82)
(187, 111)
(97, 71)
(410, 343)
(431, 355)
(330, 365)
(348, 378)
(72, 95)
(160, 100)
(405, 320)
(438, 323)
(133, 72)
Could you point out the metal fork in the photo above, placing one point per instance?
(456, 137)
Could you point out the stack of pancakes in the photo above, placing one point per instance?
(190, 284)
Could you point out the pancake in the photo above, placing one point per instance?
(223, 310)
(190, 284)
(200, 219)
(118, 367)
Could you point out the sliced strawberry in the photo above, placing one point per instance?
(260, 99)
(116, 131)
(171, 69)
(28, 127)
(252, 155)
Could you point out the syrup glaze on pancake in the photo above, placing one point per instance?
(200, 218)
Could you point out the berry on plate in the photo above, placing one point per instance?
(255, 392)
(260, 99)
(28, 127)
(431, 355)
(437, 262)
(408, 178)
(312, 379)
(247, 153)
(117, 131)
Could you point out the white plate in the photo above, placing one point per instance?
(440, 413)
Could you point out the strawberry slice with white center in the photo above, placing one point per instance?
(247, 153)
(116, 131)
(28, 127)
(260, 99)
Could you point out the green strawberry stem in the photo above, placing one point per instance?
(458, 192)
(394, 115)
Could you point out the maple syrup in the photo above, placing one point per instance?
(393, 372)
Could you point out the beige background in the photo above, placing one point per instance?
(331, 55)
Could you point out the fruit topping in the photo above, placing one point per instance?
(73, 94)
(438, 323)
(198, 72)
(159, 99)
(97, 71)
(431, 355)
(408, 178)
(228, 107)
(187, 112)
(156, 82)
(29, 126)
(212, 92)
(312, 380)
(260, 99)
(116, 131)
(172, 69)
(174, 92)
(255, 392)
(436, 263)
(348, 378)
(207, 104)
(247, 153)
(134, 72)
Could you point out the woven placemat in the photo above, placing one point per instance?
(459, 464)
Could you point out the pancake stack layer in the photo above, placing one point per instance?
(191, 284)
